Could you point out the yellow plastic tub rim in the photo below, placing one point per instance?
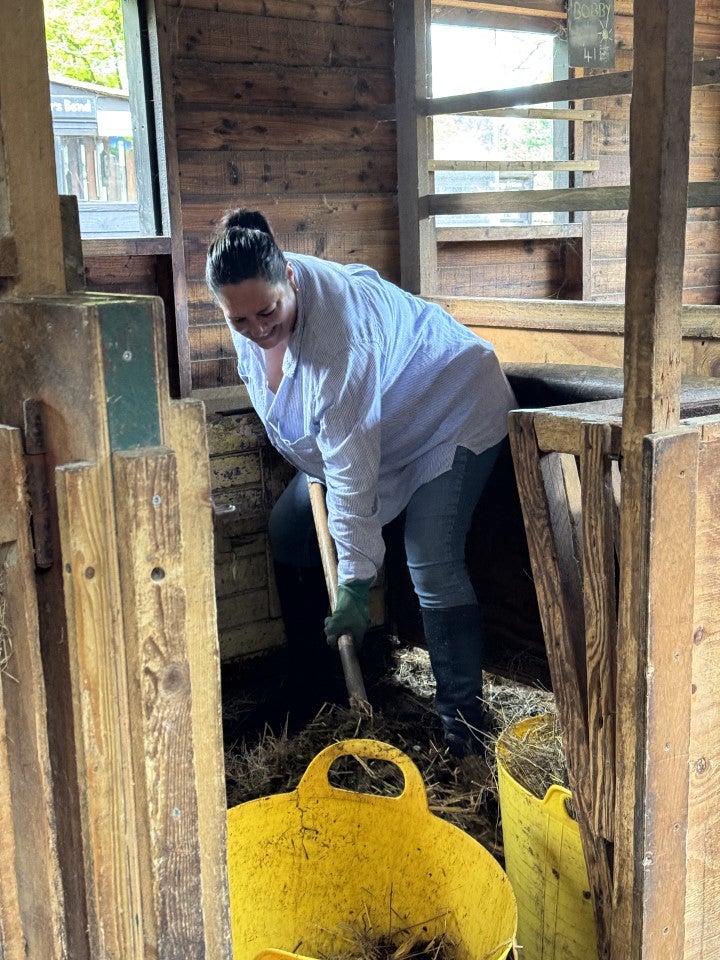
(307, 864)
(545, 864)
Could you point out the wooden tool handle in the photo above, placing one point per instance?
(346, 647)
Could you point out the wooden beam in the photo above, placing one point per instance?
(589, 166)
(160, 698)
(599, 601)
(539, 231)
(418, 252)
(116, 920)
(552, 8)
(188, 438)
(648, 918)
(29, 186)
(556, 91)
(31, 895)
(544, 113)
(573, 198)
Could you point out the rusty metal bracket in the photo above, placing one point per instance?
(37, 485)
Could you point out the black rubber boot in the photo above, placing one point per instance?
(455, 642)
(314, 670)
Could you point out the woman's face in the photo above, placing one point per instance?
(263, 312)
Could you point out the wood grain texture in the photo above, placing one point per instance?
(659, 151)
(116, 918)
(160, 699)
(599, 600)
(26, 143)
(702, 914)
(32, 921)
(670, 486)
(558, 584)
(367, 13)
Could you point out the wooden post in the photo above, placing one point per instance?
(418, 253)
(645, 875)
(29, 202)
(31, 896)
(101, 717)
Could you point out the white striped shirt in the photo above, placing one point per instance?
(379, 389)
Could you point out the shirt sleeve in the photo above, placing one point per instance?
(349, 443)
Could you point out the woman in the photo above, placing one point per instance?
(394, 406)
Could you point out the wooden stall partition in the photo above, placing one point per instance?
(31, 895)
(95, 369)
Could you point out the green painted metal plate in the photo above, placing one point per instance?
(131, 386)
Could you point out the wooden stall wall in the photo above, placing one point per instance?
(604, 238)
(272, 104)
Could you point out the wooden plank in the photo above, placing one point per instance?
(278, 130)
(160, 697)
(554, 231)
(567, 315)
(587, 165)
(573, 198)
(265, 85)
(556, 91)
(663, 700)
(189, 439)
(24, 146)
(277, 40)
(559, 589)
(117, 922)
(418, 254)
(270, 174)
(702, 914)
(163, 40)
(599, 600)
(369, 13)
(553, 8)
(32, 922)
(544, 113)
(127, 247)
(659, 150)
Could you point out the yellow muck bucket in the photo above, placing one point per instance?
(307, 865)
(545, 863)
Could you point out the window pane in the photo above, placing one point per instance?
(96, 147)
(469, 59)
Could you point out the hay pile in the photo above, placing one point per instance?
(462, 792)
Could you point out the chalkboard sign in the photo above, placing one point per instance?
(591, 29)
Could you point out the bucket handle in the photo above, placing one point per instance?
(315, 785)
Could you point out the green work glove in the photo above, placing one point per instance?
(350, 614)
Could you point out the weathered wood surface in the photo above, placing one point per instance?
(702, 917)
(647, 914)
(599, 601)
(188, 438)
(156, 632)
(32, 919)
(557, 577)
(102, 722)
(29, 206)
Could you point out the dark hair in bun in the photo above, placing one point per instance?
(244, 249)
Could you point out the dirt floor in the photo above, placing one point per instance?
(266, 755)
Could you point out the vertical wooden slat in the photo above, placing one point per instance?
(31, 896)
(558, 585)
(188, 438)
(102, 728)
(156, 635)
(418, 252)
(28, 191)
(599, 595)
(702, 904)
(659, 148)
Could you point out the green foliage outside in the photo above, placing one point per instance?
(85, 41)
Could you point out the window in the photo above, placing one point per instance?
(502, 148)
(103, 154)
